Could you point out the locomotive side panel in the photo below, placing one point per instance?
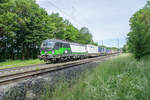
(78, 49)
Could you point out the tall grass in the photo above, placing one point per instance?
(121, 78)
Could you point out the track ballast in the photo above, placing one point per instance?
(21, 73)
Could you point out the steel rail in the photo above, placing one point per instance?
(13, 77)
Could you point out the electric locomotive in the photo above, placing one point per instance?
(53, 50)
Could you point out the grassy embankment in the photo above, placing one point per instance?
(121, 78)
(19, 63)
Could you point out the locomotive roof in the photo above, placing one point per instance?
(62, 41)
(54, 40)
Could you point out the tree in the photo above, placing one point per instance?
(8, 23)
(58, 26)
(125, 48)
(85, 36)
(24, 25)
(139, 35)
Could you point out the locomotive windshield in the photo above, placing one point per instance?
(47, 44)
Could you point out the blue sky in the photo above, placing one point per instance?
(108, 20)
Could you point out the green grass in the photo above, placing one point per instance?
(121, 78)
(19, 63)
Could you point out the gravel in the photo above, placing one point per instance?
(30, 89)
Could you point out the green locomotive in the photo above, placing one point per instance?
(57, 50)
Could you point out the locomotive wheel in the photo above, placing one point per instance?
(61, 59)
(48, 62)
(54, 60)
(58, 60)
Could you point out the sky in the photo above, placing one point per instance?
(107, 20)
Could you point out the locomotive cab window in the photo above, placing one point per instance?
(65, 45)
(58, 45)
(47, 44)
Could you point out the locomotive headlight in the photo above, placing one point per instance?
(66, 51)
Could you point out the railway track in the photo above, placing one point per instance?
(21, 73)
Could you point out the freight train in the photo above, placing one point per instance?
(53, 50)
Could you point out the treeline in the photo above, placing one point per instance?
(24, 25)
(139, 35)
